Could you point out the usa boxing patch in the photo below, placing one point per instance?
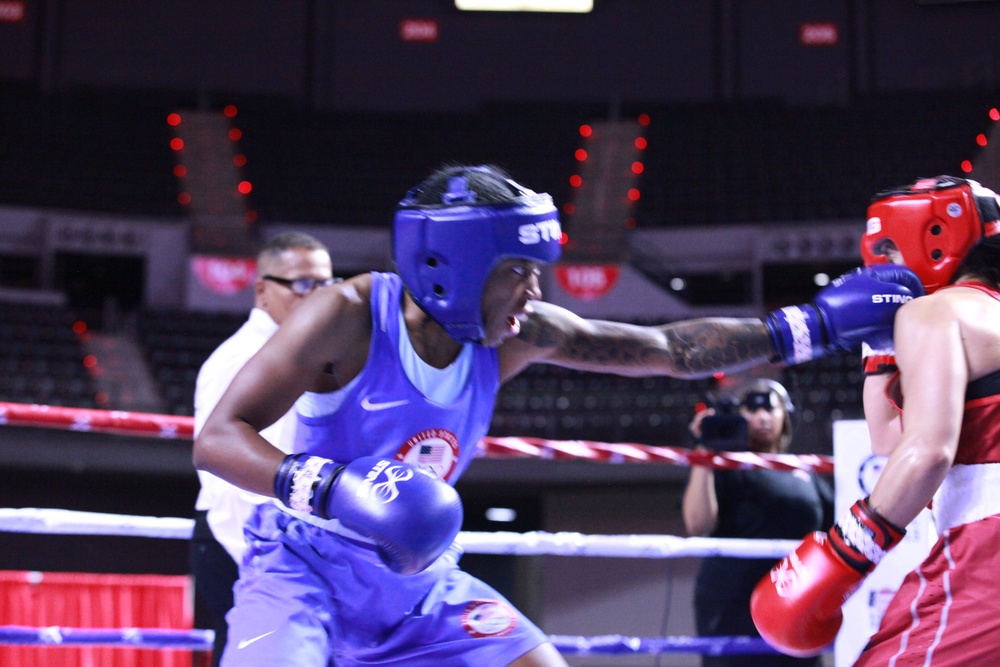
(434, 450)
(488, 618)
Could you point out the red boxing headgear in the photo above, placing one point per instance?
(933, 222)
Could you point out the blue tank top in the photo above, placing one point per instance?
(384, 414)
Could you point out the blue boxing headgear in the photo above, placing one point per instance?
(444, 251)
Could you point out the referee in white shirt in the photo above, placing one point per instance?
(289, 267)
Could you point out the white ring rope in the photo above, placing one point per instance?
(69, 522)
(153, 638)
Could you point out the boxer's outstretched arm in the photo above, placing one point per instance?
(689, 349)
(859, 306)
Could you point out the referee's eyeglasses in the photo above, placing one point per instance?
(302, 286)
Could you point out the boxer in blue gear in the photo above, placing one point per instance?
(394, 377)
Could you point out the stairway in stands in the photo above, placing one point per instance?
(120, 372)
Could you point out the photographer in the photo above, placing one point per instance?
(756, 504)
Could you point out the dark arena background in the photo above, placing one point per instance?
(708, 157)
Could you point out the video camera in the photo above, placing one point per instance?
(726, 430)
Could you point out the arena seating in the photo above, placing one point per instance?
(176, 344)
(41, 358)
(756, 161)
(101, 151)
(766, 161)
(706, 163)
(338, 168)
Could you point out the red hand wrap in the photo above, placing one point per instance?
(863, 537)
(880, 364)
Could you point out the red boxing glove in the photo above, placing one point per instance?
(796, 606)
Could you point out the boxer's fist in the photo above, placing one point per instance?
(858, 306)
(411, 516)
(796, 606)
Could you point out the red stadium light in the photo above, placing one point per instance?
(230, 111)
(424, 31)
(823, 33)
(177, 143)
(982, 140)
(244, 187)
(580, 154)
(575, 180)
(994, 114)
(638, 167)
(235, 134)
(563, 238)
(89, 361)
(643, 119)
(180, 171)
(12, 11)
(633, 194)
(640, 143)
(174, 119)
(240, 160)
(79, 327)
(586, 130)
(967, 166)
(184, 198)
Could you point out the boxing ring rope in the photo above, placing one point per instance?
(182, 428)
(535, 543)
(67, 522)
(201, 640)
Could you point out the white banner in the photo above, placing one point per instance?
(856, 470)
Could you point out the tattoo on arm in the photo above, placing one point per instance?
(694, 348)
(701, 347)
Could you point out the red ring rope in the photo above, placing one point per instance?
(182, 428)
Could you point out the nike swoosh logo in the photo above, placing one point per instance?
(368, 405)
(247, 642)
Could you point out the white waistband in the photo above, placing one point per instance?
(332, 525)
(969, 493)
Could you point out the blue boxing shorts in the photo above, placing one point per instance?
(312, 597)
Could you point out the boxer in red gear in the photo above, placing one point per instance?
(938, 421)
(947, 611)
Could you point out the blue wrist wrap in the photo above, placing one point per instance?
(797, 333)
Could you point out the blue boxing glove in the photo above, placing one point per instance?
(412, 516)
(858, 306)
